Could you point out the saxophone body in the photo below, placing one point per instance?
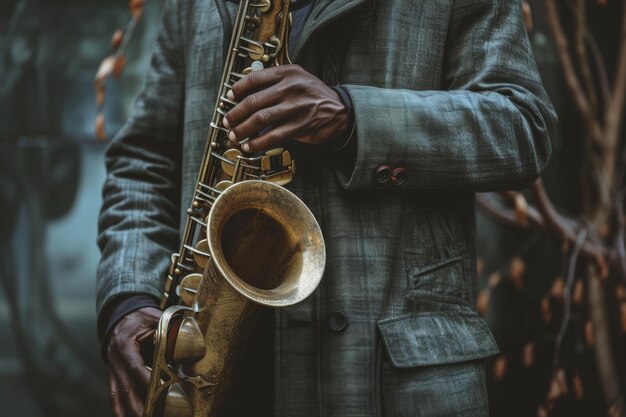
(247, 242)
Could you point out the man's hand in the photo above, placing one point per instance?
(291, 102)
(128, 377)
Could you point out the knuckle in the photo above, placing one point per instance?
(277, 135)
(113, 397)
(117, 345)
(131, 365)
(264, 116)
(123, 392)
(255, 77)
(251, 103)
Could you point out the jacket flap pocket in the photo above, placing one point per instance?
(435, 338)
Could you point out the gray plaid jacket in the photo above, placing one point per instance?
(448, 90)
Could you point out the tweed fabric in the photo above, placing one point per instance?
(446, 89)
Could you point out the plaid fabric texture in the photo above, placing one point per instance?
(447, 90)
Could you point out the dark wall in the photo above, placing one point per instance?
(51, 175)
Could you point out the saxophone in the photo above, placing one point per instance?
(247, 242)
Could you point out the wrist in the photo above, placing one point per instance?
(116, 310)
(348, 125)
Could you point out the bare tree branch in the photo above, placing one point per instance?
(562, 47)
(615, 109)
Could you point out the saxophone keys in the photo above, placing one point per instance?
(255, 52)
(177, 403)
(280, 178)
(189, 344)
(222, 185)
(188, 288)
(201, 254)
(229, 166)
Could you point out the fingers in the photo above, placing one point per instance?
(274, 137)
(260, 120)
(136, 369)
(258, 80)
(250, 105)
(125, 367)
(128, 377)
(114, 397)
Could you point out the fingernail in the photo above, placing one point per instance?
(245, 147)
(225, 123)
(230, 95)
(232, 136)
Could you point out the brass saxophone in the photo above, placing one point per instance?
(247, 242)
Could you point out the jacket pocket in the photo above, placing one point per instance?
(439, 281)
(435, 338)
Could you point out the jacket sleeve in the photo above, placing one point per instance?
(488, 129)
(139, 218)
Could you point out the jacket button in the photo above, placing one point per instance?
(399, 176)
(337, 321)
(383, 173)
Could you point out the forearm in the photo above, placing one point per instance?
(139, 219)
(475, 141)
(486, 126)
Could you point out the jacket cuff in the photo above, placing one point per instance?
(344, 140)
(115, 311)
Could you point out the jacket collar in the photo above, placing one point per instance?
(323, 12)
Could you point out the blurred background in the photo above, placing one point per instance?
(552, 267)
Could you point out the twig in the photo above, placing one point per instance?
(567, 297)
(615, 107)
(562, 47)
(503, 214)
(603, 77)
(580, 18)
(565, 228)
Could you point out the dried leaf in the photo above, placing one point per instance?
(517, 269)
(589, 334)
(528, 16)
(136, 7)
(480, 266)
(603, 266)
(100, 132)
(105, 69)
(615, 411)
(116, 39)
(546, 311)
(578, 293)
(542, 412)
(482, 302)
(528, 355)
(558, 288)
(118, 66)
(494, 280)
(521, 209)
(100, 93)
(604, 231)
(577, 383)
(499, 368)
(558, 386)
